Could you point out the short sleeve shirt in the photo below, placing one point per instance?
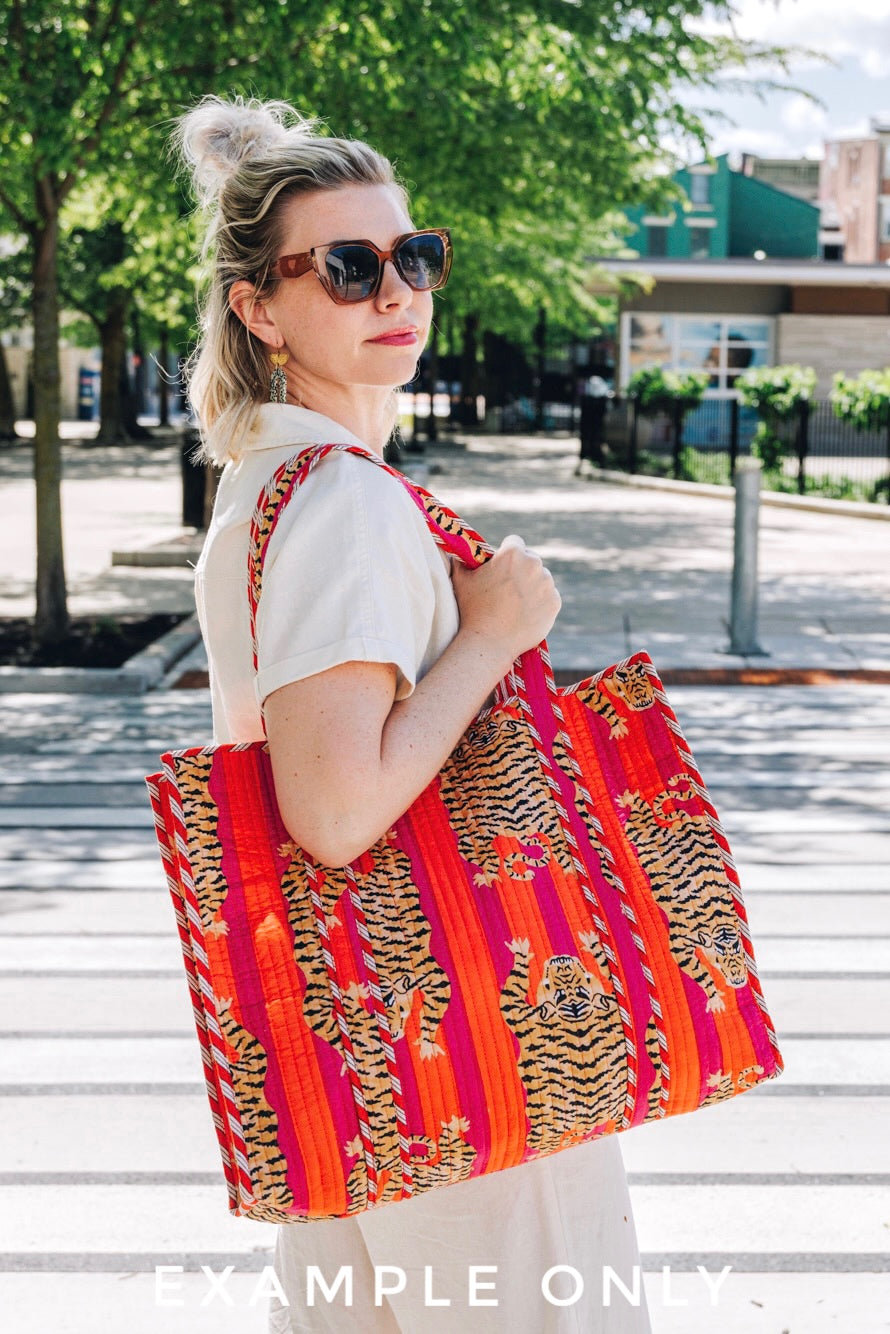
(352, 573)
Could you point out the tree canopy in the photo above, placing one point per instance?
(523, 124)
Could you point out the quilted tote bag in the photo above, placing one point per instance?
(548, 946)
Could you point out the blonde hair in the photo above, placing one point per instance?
(246, 158)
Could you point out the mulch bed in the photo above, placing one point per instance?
(93, 641)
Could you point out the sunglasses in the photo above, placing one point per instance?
(352, 271)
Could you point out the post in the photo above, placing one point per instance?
(743, 611)
(540, 337)
(632, 451)
(677, 431)
(803, 444)
(733, 437)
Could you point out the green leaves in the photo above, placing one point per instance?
(864, 401)
(657, 390)
(776, 391)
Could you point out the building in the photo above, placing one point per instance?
(728, 214)
(793, 175)
(854, 194)
(726, 315)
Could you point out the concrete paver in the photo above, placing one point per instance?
(100, 1080)
(112, 1164)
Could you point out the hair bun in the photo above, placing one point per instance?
(217, 135)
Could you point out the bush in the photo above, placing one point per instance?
(776, 393)
(657, 390)
(863, 401)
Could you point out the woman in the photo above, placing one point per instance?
(373, 657)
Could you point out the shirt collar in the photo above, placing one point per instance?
(277, 424)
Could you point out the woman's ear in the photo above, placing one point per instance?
(253, 314)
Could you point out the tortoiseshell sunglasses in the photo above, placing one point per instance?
(352, 271)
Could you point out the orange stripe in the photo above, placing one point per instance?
(264, 899)
(294, 1049)
(478, 983)
(437, 1089)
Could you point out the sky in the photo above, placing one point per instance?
(854, 33)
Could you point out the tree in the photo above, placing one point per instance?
(13, 304)
(522, 108)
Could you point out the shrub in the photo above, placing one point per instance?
(776, 393)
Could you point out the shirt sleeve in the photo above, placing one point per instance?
(346, 578)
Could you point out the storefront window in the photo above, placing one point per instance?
(722, 345)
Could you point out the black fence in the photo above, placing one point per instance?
(823, 455)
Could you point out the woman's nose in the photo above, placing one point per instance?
(393, 288)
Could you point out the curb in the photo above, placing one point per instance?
(198, 679)
(182, 550)
(852, 509)
(144, 671)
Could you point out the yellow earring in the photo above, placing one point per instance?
(278, 382)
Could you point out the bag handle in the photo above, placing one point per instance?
(530, 668)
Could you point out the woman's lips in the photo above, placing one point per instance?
(399, 338)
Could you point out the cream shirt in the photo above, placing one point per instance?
(352, 573)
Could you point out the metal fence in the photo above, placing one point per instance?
(823, 455)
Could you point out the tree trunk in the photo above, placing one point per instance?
(163, 384)
(112, 430)
(51, 620)
(7, 403)
(432, 429)
(469, 372)
(133, 390)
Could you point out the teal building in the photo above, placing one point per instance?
(729, 215)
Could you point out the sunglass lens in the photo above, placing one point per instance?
(352, 271)
(422, 260)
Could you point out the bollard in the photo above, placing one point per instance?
(743, 612)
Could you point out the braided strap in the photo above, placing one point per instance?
(465, 544)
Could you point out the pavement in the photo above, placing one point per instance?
(110, 1163)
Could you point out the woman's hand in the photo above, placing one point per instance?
(511, 599)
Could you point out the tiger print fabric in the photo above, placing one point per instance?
(549, 945)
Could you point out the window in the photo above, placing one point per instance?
(886, 171)
(853, 167)
(700, 242)
(700, 187)
(885, 220)
(724, 346)
(656, 240)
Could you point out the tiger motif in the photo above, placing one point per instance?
(725, 1085)
(690, 885)
(572, 1050)
(630, 683)
(205, 850)
(400, 940)
(492, 785)
(448, 1159)
(259, 1122)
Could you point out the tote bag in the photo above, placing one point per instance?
(549, 945)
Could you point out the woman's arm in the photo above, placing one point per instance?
(348, 759)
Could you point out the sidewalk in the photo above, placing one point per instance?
(637, 568)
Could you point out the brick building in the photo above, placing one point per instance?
(854, 194)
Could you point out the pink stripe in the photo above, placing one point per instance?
(456, 1026)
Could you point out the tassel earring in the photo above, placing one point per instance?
(278, 382)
